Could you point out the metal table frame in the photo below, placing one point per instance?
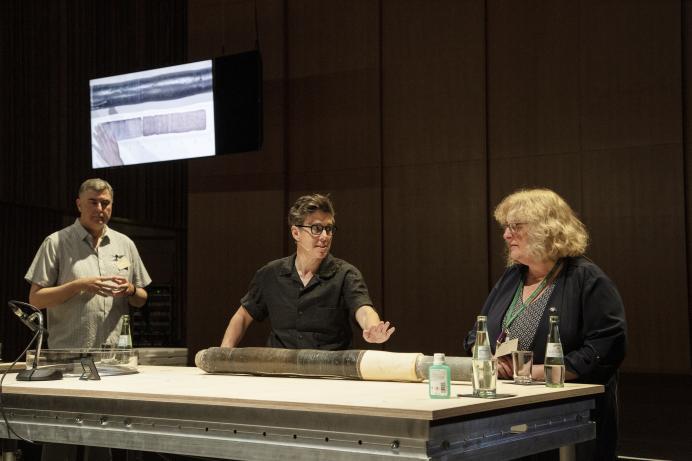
(251, 433)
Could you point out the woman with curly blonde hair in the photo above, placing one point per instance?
(555, 231)
(545, 243)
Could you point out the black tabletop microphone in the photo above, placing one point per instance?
(32, 317)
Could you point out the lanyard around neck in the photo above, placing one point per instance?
(517, 306)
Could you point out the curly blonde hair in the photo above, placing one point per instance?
(553, 229)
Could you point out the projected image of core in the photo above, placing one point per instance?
(151, 116)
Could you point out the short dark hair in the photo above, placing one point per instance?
(308, 204)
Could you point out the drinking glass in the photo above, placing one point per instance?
(522, 362)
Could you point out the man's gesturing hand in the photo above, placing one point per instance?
(378, 333)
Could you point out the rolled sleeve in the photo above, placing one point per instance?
(140, 276)
(355, 291)
(253, 300)
(44, 268)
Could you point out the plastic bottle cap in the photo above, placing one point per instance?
(438, 358)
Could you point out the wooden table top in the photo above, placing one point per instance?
(12, 369)
(390, 399)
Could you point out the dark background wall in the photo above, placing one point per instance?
(418, 116)
(49, 50)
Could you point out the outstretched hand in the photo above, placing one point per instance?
(378, 333)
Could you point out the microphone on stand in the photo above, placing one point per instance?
(32, 317)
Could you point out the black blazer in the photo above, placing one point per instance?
(593, 332)
(592, 319)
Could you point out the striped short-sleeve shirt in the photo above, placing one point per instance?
(86, 319)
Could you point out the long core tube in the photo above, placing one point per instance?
(349, 364)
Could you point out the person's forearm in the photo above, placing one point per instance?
(367, 317)
(237, 327)
(374, 329)
(138, 298)
(234, 333)
(45, 297)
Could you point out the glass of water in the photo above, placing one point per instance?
(522, 363)
(485, 378)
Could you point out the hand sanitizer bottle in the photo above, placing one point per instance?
(439, 378)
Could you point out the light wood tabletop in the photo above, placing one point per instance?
(395, 399)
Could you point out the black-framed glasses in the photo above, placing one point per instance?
(317, 229)
(513, 227)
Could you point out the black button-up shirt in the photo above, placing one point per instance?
(316, 316)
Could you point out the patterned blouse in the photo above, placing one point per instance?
(525, 325)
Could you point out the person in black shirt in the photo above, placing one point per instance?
(310, 297)
(547, 268)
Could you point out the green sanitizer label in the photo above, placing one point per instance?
(438, 382)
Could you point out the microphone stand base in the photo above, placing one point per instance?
(39, 374)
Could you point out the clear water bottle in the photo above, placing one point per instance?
(484, 365)
(125, 338)
(439, 378)
(554, 365)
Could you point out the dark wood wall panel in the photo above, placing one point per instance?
(630, 63)
(235, 233)
(434, 187)
(331, 37)
(533, 78)
(631, 95)
(633, 204)
(433, 81)
(418, 117)
(236, 202)
(333, 112)
(334, 121)
(220, 27)
(434, 254)
(686, 7)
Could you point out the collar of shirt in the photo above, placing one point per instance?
(84, 234)
(326, 270)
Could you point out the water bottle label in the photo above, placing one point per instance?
(438, 382)
(123, 341)
(484, 353)
(553, 350)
